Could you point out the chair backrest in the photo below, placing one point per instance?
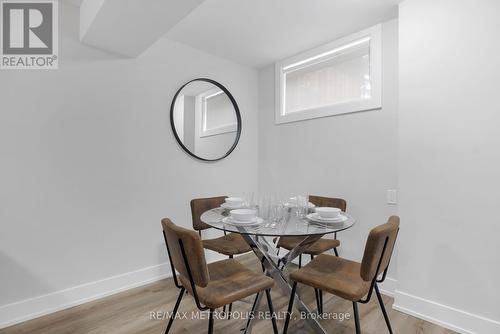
(380, 236)
(200, 205)
(329, 202)
(193, 249)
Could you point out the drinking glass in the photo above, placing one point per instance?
(264, 207)
(248, 200)
(302, 205)
(278, 213)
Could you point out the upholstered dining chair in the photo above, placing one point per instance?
(348, 279)
(229, 244)
(320, 246)
(211, 285)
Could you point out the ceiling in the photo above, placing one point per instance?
(259, 32)
(74, 2)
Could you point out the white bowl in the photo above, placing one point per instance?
(234, 201)
(327, 212)
(243, 215)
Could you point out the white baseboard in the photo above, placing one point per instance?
(442, 315)
(445, 316)
(388, 287)
(31, 308)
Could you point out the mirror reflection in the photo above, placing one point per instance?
(205, 120)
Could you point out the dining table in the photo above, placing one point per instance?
(262, 237)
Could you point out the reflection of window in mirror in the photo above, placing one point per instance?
(217, 113)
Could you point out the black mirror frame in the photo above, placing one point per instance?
(236, 109)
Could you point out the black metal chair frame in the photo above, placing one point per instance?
(195, 294)
(317, 292)
(373, 286)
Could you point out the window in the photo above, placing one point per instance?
(337, 78)
(217, 113)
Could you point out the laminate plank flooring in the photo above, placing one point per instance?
(130, 312)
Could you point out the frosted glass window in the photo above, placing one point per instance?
(340, 77)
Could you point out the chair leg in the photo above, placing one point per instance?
(321, 299)
(229, 312)
(356, 317)
(318, 300)
(224, 308)
(290, 306)
(254, 306)
(174, 312)
(271, 310)
(230, 305)
(381, 302)
(211, 321)
(336, 252)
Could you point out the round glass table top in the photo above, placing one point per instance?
(290, 225)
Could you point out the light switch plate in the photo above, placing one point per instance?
(392, 196)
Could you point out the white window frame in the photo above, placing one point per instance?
(201, 103)
(374, 34)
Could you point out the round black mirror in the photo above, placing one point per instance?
(205, 119)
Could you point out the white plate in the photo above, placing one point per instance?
(231, 221)
(294, 205)
(229, 207)
(315, 217)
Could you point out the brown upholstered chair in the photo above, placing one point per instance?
(348, 279)
(320, 246)
(229, 244)
(213, 285)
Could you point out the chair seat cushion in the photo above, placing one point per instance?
(230, 244)
(229, 281)
(335, 275)
(319, 247)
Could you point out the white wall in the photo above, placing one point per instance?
(353, 156)
(449, 162)
(89, 166)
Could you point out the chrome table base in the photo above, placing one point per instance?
(275, 267)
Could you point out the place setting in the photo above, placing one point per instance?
(327, 215)
(243, 217)
(243, 212)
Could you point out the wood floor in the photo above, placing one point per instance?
(130, 312)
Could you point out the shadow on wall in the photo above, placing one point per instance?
(70, 47)
(13, 273)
